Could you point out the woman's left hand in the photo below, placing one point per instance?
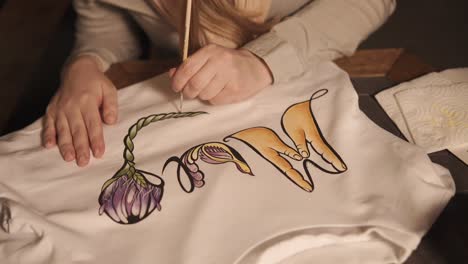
(221, 75)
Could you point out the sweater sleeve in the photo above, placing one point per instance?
(104, 32)
(321, 30)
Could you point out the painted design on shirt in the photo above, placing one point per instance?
(300, 125)
(211, 153)
(129, 197)
(269, 145)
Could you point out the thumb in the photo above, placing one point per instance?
(172, 72)
(109, 104)
(299, 138)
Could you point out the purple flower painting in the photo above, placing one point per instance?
(128, 197)
(211, 153)
(128, 200)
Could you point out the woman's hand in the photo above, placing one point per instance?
(221, 75)
(73, 120)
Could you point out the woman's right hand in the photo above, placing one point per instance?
(74, 117)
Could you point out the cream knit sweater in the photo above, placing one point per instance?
(309, 31)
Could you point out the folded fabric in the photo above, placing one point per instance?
(432, 111)
(297, 174)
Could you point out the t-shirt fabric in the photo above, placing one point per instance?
(293, 175)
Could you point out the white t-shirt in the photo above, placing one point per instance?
(226, 194)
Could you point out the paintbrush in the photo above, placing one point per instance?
(188, 18)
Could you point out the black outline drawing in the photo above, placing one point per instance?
(309, 177)
(128, 176)
(180, 164)
(318, 94)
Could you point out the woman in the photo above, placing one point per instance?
(238, 47)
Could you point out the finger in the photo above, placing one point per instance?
(293, 121)
(79, 137)
(297, 178)
(94, 129)
(328, 154)
(224, 96)
(189, 68)
(321, 147)
(298, 136)
(213, 88)
(230, 94)
(282, 148)
(109, 104)
(200, 80)
(49, 135)
(171, 72)
(286, 168)
(64, 138)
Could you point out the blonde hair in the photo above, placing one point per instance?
(229, 23)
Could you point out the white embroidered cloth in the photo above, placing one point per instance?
(432, 111)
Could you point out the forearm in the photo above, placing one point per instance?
(105, 34)
(322, 30)
(328, 29)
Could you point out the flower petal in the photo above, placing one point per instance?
(209, 160)
(193, 154)
(193, 167)
(152, 204)
(136, 205)
(199, 184)
(198, 176)
(144, 200)
(118, 200)
(110, 211)
(218, 152)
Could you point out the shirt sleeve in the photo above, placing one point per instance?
(105, 32)
(321, 30)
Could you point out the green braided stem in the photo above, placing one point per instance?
(128, 168)
(143, 122)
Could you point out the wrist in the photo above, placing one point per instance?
(262, 68)
(80, 64)
(77, 68)
(84, 61)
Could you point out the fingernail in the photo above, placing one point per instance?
(48, 143)
(297, 157)
(308, 187)
(81, 160)
(304, 154)
(68, 156)
(97, 152)
(110, 118)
